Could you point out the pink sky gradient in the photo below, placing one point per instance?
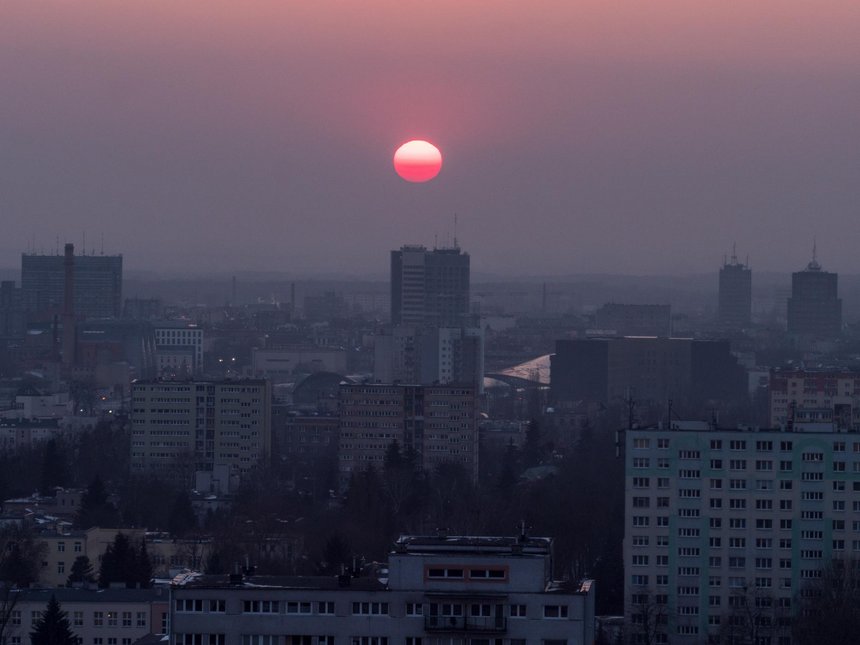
(588, 136)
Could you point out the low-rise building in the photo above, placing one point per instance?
(438, 590)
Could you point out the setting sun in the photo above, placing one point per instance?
(417, 161)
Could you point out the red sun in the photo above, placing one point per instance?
(417, 161)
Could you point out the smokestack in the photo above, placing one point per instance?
(69, 307)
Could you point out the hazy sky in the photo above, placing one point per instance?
(578, 135)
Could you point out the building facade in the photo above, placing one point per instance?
(179, 427)
(97, 284)
(734, 307)
(635, 320)
(96, 616)
(650, 369)
(814, 308)
(725, 528)
(427, 355)
(439, 591)
(429, 287)
(825, 397)
(438, 422)
(176, 342)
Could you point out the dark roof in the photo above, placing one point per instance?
(319, 583)
(66, 595)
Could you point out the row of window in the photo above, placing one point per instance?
(99, 618)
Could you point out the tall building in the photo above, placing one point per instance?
(635, 320)
(725, 528)
(182, 427)
(454, 590)
(438, 422)
(655, 370)
(97, 284)
(735, 294)
(429, 287)
(814, 308)
(178, 346)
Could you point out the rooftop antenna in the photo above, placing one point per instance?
(84, 245)
(103, 243)
(58, 245)
(455, 231)
(734, 253)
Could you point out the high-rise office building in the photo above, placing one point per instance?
(181, 427)
(724, 529)
(438, 422)
(429, 287)
(97, 285)
(814, 308)
(735, 294)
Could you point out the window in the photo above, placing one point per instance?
(259, 639)
(126, 619)
(98, 618)
(435, 573)
(294, 607)
(61, 547)
(560, 611)
(641, 443)
(370, 609)
(327, 607)
(518, 611)
(78, 619)
(641, 482)
(260, 607)
(112, 617)
(61, 567)
(414, 609)
(141, 619)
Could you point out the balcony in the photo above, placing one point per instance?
(474, 624)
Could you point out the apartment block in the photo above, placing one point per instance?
(439, 422)
(830, 398)
(725, 528)
(178, 346)
(439, 591)
(179, 427)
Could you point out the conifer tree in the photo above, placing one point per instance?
(53, 627)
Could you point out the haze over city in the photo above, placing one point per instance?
(590, 137)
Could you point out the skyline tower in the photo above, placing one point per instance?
(97, 284)
(814, 308)
(735, 294)
(429, 287)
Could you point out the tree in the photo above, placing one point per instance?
(96, 508)
(54, 468)
(181, 519)
(21, 556)
(828, 609)
(53, 627)
(122, 563)
(82, 571)
(648, 618)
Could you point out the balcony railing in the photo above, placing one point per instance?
(465, 623)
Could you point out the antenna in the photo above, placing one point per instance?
(103, 243)
(734, 253)
(814, 250)
(84, 245)
(455, 231)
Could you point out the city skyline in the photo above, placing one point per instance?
(586, 139)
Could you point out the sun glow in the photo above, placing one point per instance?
(417, 161)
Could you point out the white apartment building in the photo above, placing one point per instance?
(438, 591)
(724, 528)
(179, 426)
(828, 397)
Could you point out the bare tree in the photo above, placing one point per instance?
(754, 616)
(828, 609)
(648, 617)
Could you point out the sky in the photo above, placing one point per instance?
(587, 136)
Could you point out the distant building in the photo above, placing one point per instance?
(438, 422)
(635, 320)
(734, 309)
(428, 355)
(429, 287)
(826, 398)
(12, 318)
(284, 363)
(176, 343)
(458, 590)
(179, 427)
(656, 370)
(97, 285)
(814, 308)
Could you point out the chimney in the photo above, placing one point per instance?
(69, 307)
